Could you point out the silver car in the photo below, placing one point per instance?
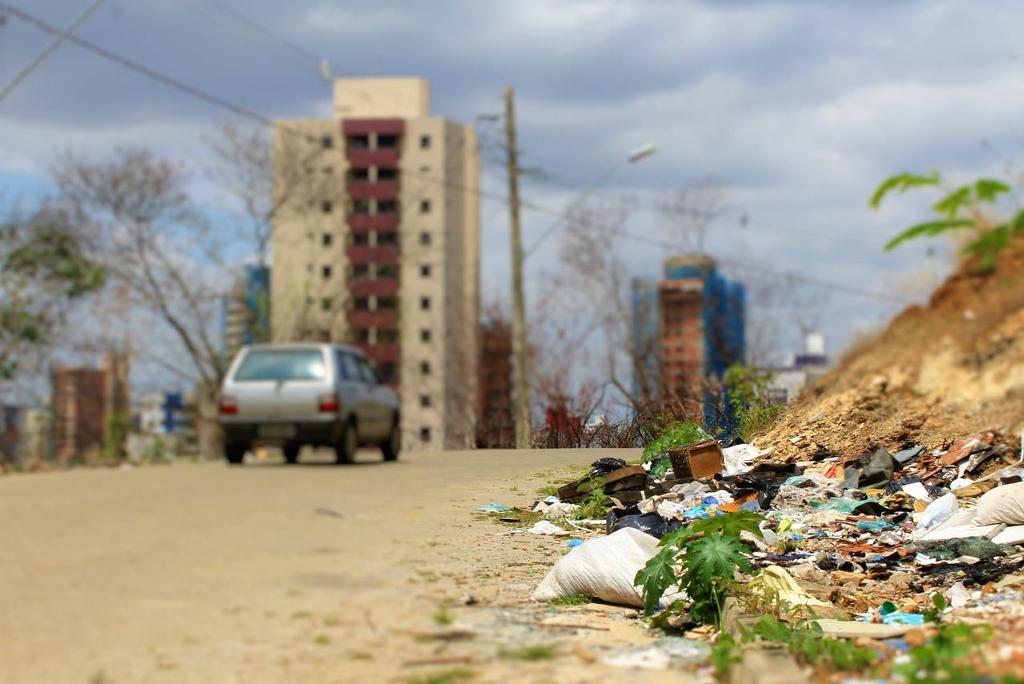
(290, 395)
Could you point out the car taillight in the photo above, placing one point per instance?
(329, 403)
(228, 406)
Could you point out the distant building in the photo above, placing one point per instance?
(381, 247)
(246, 313)
(688, 328)
(788, 380)
(161, 413)
(495, 424)
(84, 401)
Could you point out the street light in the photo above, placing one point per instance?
(636, 155)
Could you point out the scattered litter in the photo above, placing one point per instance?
(1002, 505)
(494, 507)
(545, 527)
(939, 511)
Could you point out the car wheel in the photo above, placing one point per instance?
(235, 453)
(291, 453)
(345, 450)
(394, 442)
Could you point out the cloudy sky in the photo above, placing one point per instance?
(797, 108)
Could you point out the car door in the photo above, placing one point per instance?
(354, 392)
(378, 409)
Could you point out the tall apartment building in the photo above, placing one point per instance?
(245, 314)
(377, 244)
(688, 328)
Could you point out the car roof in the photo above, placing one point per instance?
(307, 345)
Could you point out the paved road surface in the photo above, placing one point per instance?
(264, 573)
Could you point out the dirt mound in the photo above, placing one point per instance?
(937, 373)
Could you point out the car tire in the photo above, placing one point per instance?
(291, 453)
(391, 446)
(345, 449)
(234, 454)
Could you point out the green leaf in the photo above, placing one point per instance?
(730, 524)
(656, 577)
(929, 229)
(951, 204)
(989, 189)
(714, 558)
(901, 183)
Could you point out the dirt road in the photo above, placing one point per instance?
(269, 573)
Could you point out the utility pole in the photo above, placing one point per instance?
(520, 376)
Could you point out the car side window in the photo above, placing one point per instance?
(369, 375)
(349, 367)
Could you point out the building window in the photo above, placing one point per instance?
(425, 206)
(386, 372)
(360, 270)
(360, 174)
(325, 304)
(387, 142)
(359, 142)
(387, 270)
(326, 271)
(425, 270)
(425, 335)
(425, 400)
(387, 336)
(363, 337)
(327, 206)
(386, 302)
(387, 206)
(424, 142)
(387, 174)
(387, 238)
(362, 303)
(425, 303)
(424, 434)
(424, 368)
(360, 238)
(327, 142)
(424, 238)
(360, 206)
(327, 239)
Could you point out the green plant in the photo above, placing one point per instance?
(674, 436)
(443, 616)
(456, 674)
(707, 554)
(533, 652)
(118, 425)
(570, 600)
(807, 642)
(724, 654)
(747, 391)
(947, 656)
(548, 490)
(596, 504)
(960, 209)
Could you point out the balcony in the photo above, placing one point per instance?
(382, 189)
(382, 223)
(382, 319)
(380, 287)
(381, 352)
(365, 254)
(358, 158)
(378, 126)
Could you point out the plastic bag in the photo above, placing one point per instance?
(601, 568)
(939, 511)
(1002, 505)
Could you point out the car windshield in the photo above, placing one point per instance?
(281, 364)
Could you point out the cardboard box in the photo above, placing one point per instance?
(697, 461)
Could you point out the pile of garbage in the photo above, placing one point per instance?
(865, 542)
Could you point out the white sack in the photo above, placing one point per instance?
(601, 568)
(939, 511)
(1002, 505)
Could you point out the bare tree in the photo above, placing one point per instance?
(690, 212)
(160, 250)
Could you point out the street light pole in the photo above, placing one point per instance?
(520, 376)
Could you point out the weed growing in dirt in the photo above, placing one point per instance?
(807, 643)
(570, 600)
(443, 617)
(595, 506)
(456, 674)
(360, 655)
(707, 554)
(747, 389)
(321, 640)
(548, 490)
(534, 652)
